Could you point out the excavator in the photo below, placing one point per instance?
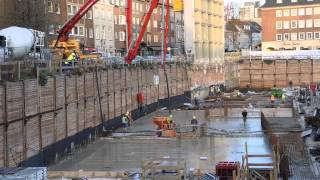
(70, 46)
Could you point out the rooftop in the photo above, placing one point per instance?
(273, 3)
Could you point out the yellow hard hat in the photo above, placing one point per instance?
(194, 117)
(127, 113)
(170, 115)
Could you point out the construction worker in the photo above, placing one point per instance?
(244, 114)
(238, 93)
(283, 98)
(170, 120)
(71, 58)
(272, 99)
(194, 123)
(126, 120)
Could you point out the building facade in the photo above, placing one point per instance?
(249, 11)
(291, 25)
(103, 23)
(204, 30)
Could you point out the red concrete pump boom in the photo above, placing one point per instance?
(67, 27)
(133, 48)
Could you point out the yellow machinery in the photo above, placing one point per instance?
(64, 49)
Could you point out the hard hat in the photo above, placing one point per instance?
(127, 113)
(170, 115)
(194, 117)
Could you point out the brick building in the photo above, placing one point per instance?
(290, 24)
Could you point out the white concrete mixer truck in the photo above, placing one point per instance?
(17, 42)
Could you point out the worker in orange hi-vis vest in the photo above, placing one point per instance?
(272, 99)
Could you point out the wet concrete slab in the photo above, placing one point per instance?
(127, 153)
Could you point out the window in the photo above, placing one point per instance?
(90, 33)
(301, 24)
(309, 36)
(69, 9)
(316, 35)
(155, 24)
(308, 11)
(141, 7)
(279, 13)
(316, 10)
(286, 37)
(286, 25)
(122, 36)
(301, 12)
(75, 30)
(116, 35)
(294, 24)
(286, 12)
(279, 25)
(81, 31)
(51, 29)
(293, 12)
(294, 36)
(294, 1)
(279, 1)
(57, 8)
(122, 20)
(279, 37)
(89, 14)
(301, 35)
(316, 23)
(50, 6)
(155, 38)
(115, 20)
(155, 10)
(309, 23)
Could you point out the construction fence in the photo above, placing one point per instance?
(34, 117)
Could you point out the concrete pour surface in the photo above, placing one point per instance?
(127, 153)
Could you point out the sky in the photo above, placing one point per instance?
(238, 2)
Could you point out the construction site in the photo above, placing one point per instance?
(203, 115)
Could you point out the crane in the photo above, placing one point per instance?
(133, 47)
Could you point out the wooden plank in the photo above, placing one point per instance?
(81, 115)
(111, 105)
(31, 97)
(33, 137)
(60, 125)
(80, 87)
(14, 101)
(90, 113)
(117, 103)
(2, 162)
(47, 129)
(2, 104)
(47, 96)
(15, 143)
(89, 85)
(71, 95)
(72, 119)
(60, 91)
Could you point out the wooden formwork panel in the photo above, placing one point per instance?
(47, 96)
(128, 78)
(305, 79)
(110, 80)
(257, 65)
(281, 83)
(33, 136)
(2, 156)
(90, 113)
(2, 104)
(89, 84)
(104, 82)
(97, 77)
(97, 119)
(295, 78)
(117, 103)
(316, 76)
(71, 119)
(47, 129)
(129, 100)
(124, 100)
(316, 65)
(293, 67)
(111, 105)
(117, 80)
(123, 78)
(81, 115)
(268, 69)
(60, 125)
(31, 97)
(15, 143)
(71, 89)
(134, 97)
(80, 87)
(14, 100)
(60, 91)
(306, 66)
(104, 104)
